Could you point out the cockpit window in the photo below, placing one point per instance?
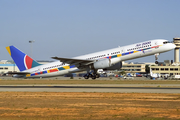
(166, 42)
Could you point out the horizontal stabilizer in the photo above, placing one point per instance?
(17, 73)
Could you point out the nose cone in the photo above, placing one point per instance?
(173, 46)
(170, 46)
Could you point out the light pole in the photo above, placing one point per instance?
(31, 41)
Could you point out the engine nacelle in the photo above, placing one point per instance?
(102, 64)
(116, 66)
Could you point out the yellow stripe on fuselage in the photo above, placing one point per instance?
(8, 49)
(119, 55)
(66, 67)
(136, 51)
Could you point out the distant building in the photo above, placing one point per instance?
(166, 68)
(135, 67)
(8, 68)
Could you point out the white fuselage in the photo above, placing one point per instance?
(116, 55)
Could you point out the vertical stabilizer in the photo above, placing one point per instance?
(22, 60)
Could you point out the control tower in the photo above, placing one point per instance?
(176, 50)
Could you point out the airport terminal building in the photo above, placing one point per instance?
(164, 68)
(7, 66)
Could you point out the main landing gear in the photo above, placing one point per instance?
(156, 58)
(91, 75)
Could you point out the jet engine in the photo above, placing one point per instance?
(102, 64)
(116, 66)
(108, 64)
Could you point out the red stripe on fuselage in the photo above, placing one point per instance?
(155, 46)
(53, 70)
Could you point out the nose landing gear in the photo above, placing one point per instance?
(156, 62)
(156, 58)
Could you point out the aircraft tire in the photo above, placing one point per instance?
(93, 77)
(97, 75)
(86, 76)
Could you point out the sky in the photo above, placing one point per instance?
(70, 28)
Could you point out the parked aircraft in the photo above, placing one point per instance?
(107, 60)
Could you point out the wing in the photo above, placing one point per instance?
(74, 61)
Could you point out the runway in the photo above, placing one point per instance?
(128, 88)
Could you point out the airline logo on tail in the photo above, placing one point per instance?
(22, 60)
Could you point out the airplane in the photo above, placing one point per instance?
(107, 60)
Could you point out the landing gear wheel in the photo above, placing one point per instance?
(93, 77)
(86, 76)
(156, 62)
(97, 75)
(90, 75)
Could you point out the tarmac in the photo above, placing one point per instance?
(117, 88)
(123, 88)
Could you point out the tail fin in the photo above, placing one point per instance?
(22, 60)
